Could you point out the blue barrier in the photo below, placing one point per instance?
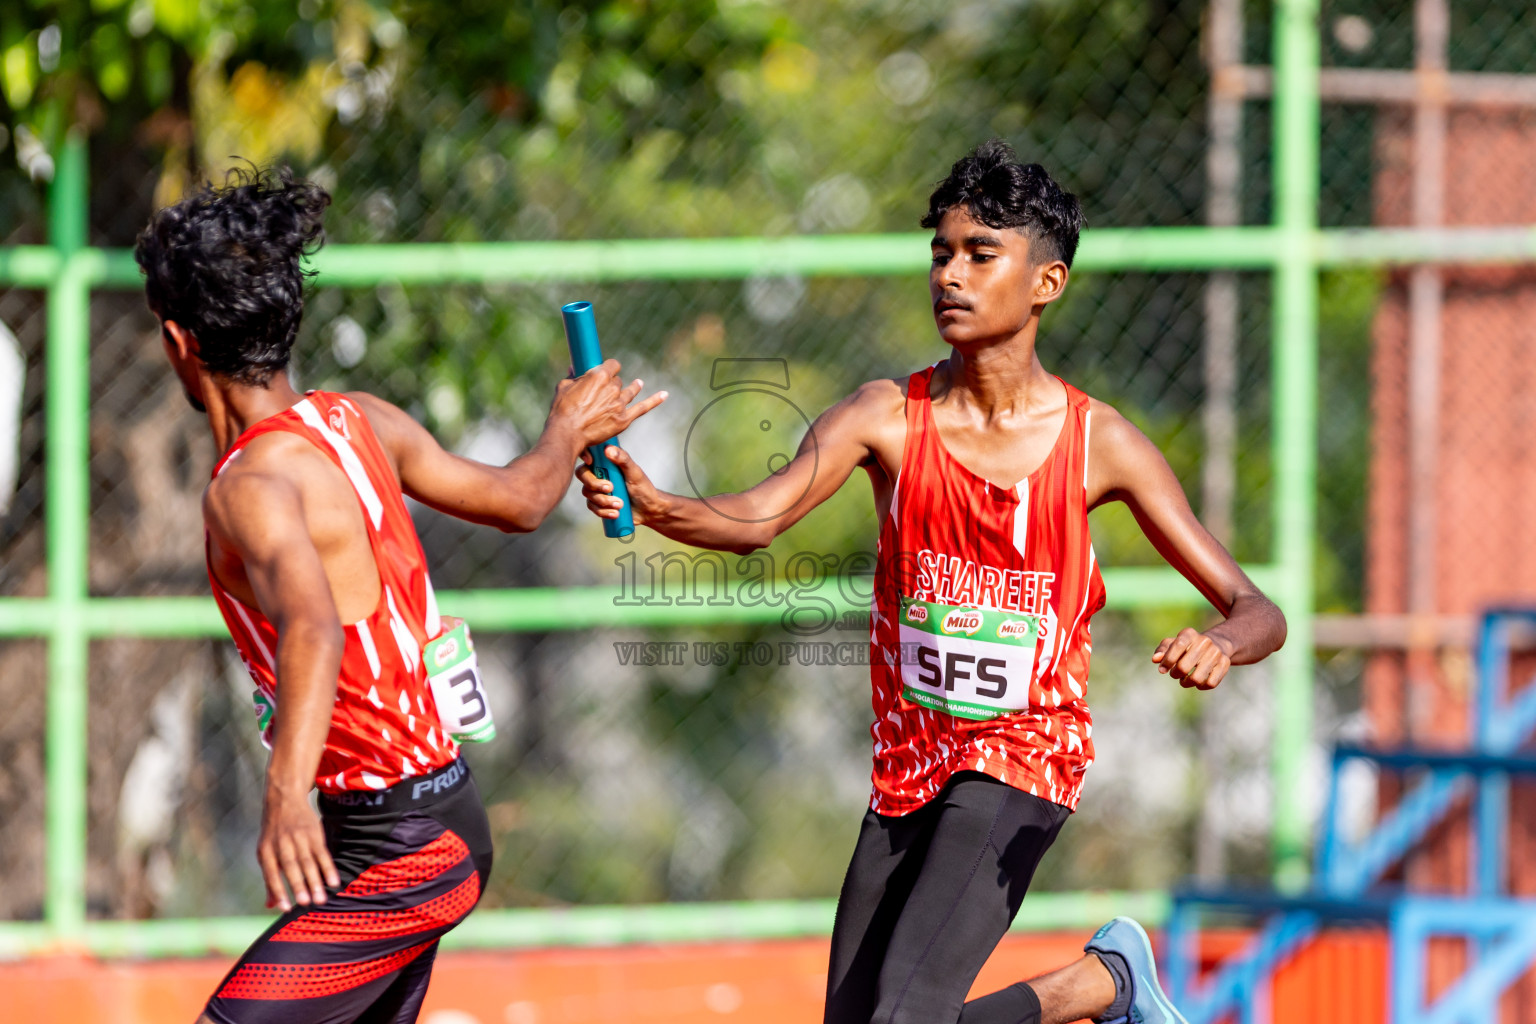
(1500, 930)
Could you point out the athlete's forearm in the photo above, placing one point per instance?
(726, 522)
(308, 665)
(588, 409)
(534, 482)
(1254, 629)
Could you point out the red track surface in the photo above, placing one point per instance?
(1339, 979)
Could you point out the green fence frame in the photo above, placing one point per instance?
(1293, 249)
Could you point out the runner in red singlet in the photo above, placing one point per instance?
(322, 581)
(984, 468)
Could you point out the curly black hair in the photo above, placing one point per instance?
(224, 264)
(1002, 193)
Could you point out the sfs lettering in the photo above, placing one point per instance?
(956, 667)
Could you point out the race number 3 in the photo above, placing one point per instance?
(454, 676)
(469, 694)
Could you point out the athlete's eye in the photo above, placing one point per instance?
(940, 258)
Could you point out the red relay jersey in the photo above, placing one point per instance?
(980, 627)
(385, 725)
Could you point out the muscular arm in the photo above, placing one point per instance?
(259, 518)
(1125, 466)
(516, 497)
(841, 440)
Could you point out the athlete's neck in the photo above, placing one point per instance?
(235, 408)
(1001, 377)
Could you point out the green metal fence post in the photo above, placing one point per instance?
(1296, 127)
(67, 461)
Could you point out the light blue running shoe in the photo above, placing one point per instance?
(1148, 1003)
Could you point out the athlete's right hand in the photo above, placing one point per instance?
(292, 850)
(645, 501)
(596, 406)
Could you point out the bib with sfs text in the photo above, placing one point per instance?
(975, 663)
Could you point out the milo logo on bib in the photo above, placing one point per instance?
(1017, 629)
(974, 663)
(961, 622)
(443, 653)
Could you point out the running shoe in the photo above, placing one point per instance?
(1148, 1003)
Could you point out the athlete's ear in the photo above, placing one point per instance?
(179, 342)
(1050, 281)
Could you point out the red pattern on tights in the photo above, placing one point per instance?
(310, 981)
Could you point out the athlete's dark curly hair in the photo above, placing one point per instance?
(224, 264)
(1002, 193)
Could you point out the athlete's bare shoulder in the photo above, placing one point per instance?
(279, 454)
(1121, 459)
(258, 486)
(1109, 425)
(873, 416)
(884, 398)
(384, 417)
(401, 437)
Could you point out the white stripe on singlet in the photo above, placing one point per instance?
(1087, 428)
(403, 638)
(1021, 519)
(365, 636)
(350, 463)
(1087, 594)
(250, 631)
(434, 620)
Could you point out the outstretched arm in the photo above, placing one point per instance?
(516, 497)
(1125, 466)
(841, 439)
(259, 518)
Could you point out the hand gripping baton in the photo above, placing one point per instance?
(581, 336)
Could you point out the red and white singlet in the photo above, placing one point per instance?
(980, 626)
(385, 725)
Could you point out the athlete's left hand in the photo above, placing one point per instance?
(1195, 659)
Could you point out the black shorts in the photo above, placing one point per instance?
(413, 861)
(927, 898)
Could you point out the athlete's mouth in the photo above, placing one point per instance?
(947, 304)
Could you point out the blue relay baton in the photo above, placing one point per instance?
(586, 352)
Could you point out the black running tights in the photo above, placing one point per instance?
(926, 900)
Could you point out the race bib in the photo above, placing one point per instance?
(454, 676)
(974, 663)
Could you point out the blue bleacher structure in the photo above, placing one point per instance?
(1349, 884)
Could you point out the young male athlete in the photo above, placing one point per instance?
(321, 579)
(984, 468)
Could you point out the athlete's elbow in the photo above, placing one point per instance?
(755, 537)
(1279, 630)
(1273, 629)
(331, 640)
(520, 517)
(520, 523)
(312, 642)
